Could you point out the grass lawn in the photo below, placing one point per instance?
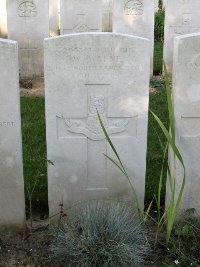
(34, 147)
(158, 57)
(158, 104)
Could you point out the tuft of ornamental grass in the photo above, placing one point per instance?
(101, 233)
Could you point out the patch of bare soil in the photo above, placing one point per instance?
(25, 249)
(32, 88)
(37, 88)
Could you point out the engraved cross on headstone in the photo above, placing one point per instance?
(90, 128)
(29, 48)
(81, 24)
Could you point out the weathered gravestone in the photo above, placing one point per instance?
(135, 17)
(53, 17)
(83, 75)
(156, 5)
(181, 17)
(107, 15)
(80, 16)
(3, 19)
(28, 23)
(186, 93)
(12, 207)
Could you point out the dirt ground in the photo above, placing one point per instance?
(29, 88)
(28, 248)
(37, 88)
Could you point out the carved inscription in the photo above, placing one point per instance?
(7, 124)
(133, 7)
(27, 9)
(93, 58)
(92, 128)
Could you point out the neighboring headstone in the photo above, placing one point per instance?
(53, 17)
(135, 17)
(164, 3)
(80, 16)
(156, 5)
(12, 205)
(28, 23)
(3, 19)
(85, 73)
(107, 15)
(186, 94)
(181, 17)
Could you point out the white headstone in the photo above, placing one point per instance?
(12, 206)
(85, 72)
(135, 17)
(80, 16)
(107, 15)
(186, 94)
(164, 3)
(3, 19)
(53, 17)
(156, 5)
(28, 23)
(181, 17)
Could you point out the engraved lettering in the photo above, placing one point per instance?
(7, 124)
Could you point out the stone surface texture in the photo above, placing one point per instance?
(54, 17)
(28, 24)
(85, 73)
(107, 15)
(135, 17)
(12, 206)
(3, 19)
(181, 17)
(156, 5)
(80, 16)
(186, 95)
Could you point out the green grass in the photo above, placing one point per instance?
(184, 244)
(158, 104)
(34, 149)
(34, 146)
(158, 58)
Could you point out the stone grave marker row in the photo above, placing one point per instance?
(181, 17)
(12, 206)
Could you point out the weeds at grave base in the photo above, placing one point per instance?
(169, 215)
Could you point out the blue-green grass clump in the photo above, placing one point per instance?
(103, 233)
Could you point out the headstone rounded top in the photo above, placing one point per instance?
(189, 35)
(93, 34)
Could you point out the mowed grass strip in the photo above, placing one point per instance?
(34, 149)
(158, 104)
(158, 58)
